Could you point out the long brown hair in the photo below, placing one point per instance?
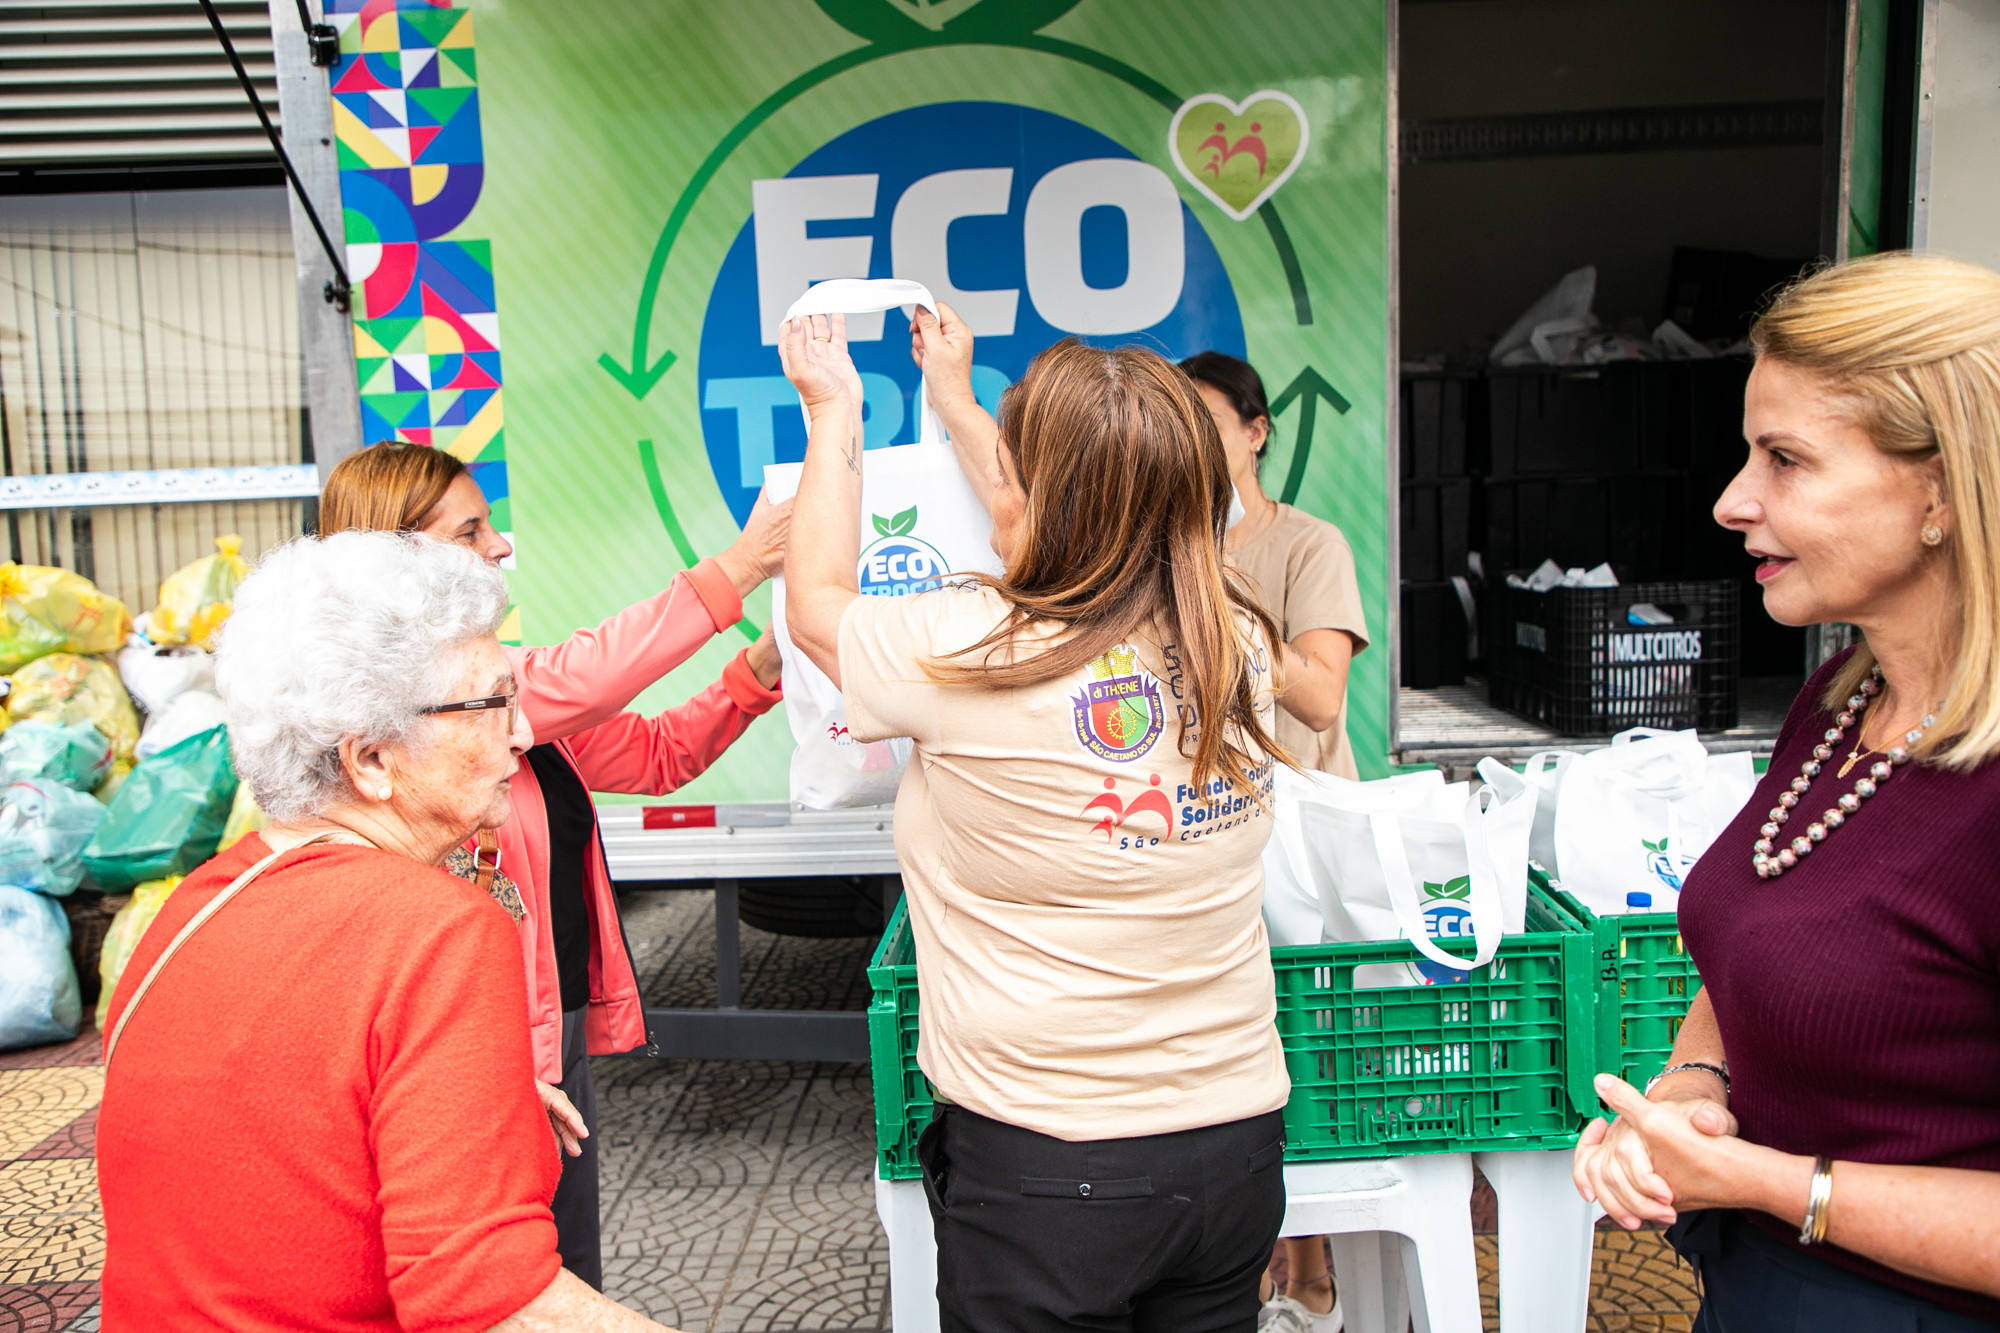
(387, 487)
(1127, 496)
(1911, 342)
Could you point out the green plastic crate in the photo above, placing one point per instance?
(1501, 1061)
(1645, 983)
(902, 1093)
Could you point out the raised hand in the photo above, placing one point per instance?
(758, 553)
(813, 351)
(941, 345)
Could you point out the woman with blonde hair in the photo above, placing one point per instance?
(1825, 1140)
(1079, 829)
(546, 862)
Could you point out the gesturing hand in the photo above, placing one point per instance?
(1657, 1157)
(813, 351)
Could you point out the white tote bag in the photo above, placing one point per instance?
(1542, 776)
(920, 524)
(1634, 817)
(1409, 857)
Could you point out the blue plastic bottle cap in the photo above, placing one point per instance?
(1638, 900)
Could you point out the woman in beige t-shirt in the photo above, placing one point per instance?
(1080, 830)
(1301, 567)
(1303, 572)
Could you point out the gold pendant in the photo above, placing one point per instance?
(1852, 760)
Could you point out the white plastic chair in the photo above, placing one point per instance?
(1545, 1272)
(906, 1218)
(1401, 1235)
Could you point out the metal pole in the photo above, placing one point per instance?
(326, 336)
(728, 947)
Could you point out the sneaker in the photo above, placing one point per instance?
(1282, 1314)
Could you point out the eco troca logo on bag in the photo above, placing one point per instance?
(1664, 865)
(1446, 917)
(897, 564)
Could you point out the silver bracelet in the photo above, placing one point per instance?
(1813, 1230)
(1720, 1071)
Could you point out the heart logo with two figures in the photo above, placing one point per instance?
(1239, 153)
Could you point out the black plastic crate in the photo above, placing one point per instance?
(1436, 526)
(1598, 420)
(1433, 633)
(1572, 660)
(1443, 425)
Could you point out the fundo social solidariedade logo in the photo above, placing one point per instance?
(1031, 225)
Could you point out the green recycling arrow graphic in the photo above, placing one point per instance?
(983, 24)
(1308, 388)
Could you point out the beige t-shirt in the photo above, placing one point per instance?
(1089, 936)
(1303, 571)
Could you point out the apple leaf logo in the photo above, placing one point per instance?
(901, 525)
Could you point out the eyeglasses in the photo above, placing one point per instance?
(479, 706)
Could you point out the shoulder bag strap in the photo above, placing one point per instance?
(195, 923)
(487, 860)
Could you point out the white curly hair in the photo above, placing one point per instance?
(344, 637)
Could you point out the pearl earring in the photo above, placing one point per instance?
(1931, 535)
(382, 795)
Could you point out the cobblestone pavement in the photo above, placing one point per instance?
(737, 1196)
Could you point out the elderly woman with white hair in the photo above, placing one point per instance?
(319, 1106)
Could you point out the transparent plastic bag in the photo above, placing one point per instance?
(46, 610)
(64, 688)
(168, 817)
(44, 827)
(197, 597)
(127, 928)
(39, 1000)
(74, 754)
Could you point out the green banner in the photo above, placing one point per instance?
(652, 182)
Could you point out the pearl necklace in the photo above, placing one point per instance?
(1769, 863)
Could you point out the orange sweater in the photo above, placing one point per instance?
(323, 1115)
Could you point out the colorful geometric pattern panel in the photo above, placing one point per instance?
(412, 161)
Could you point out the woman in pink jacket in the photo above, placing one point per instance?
(583, 994)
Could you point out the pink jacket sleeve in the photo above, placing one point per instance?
(651, 756)
(588, 678)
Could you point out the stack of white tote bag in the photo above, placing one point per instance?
(1418, 858)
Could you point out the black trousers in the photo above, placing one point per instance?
(1753, 1284)
(1167, 1233)
(575, 1204)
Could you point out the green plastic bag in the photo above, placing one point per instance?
(74, 754)
(168, 816)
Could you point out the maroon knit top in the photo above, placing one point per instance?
(1859, 994)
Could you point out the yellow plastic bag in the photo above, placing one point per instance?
(63, 688)
(245, 818)
(196, 598)
(124, 934)
(45, 610)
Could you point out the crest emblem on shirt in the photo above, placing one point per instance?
(1118, 712)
